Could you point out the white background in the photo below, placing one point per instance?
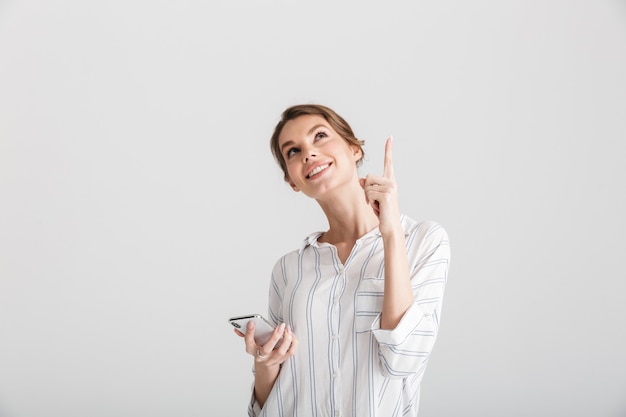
(140, 206)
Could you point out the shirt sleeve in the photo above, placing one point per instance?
(254, 409)
(274, 311)
(404, 350)
(276, 291)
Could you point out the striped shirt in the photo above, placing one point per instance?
(345, 364)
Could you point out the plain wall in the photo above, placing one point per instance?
(140, 206)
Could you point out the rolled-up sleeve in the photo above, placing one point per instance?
(405, 349)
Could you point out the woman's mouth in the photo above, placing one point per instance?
(317, 170)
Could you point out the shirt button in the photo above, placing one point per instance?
(334, 374)
(335, 337)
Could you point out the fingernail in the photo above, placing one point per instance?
(250, 325)
(288, 329)
(281, 328)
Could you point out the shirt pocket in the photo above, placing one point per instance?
(369, 302)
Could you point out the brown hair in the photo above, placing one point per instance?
(336, 122)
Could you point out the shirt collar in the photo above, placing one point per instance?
(311, 240)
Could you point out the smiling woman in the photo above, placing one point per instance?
(357, 306)
(137, 206)
(329, 116)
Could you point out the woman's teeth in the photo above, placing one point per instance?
(317, 170)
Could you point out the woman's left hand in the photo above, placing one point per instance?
(382, 194)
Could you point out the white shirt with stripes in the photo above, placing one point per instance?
(345, 365)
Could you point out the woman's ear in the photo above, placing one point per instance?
(357, 153)
(292, 185)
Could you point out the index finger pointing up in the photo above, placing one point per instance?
(388, 164)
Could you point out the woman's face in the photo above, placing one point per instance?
(317, 158)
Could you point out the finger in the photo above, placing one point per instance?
(372, 180)
(288, 338)
(239, 333)
(289, 345)
(372, 200)
(267, 348)
(249, 337)
(388, 164)
(293, 347)
(376, 207)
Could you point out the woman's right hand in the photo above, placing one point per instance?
(269, 357)
(270, 354)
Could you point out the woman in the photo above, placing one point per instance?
(363, 297)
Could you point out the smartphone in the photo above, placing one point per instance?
(262, 331)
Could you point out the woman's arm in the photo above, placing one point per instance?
(268, 358)
(398, 295)
(382, 195)
(405, 349)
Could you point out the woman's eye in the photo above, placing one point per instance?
(320, 135)
(292, 152)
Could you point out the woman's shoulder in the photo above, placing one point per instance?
(292, 255)
(428, 232)
(425, 226)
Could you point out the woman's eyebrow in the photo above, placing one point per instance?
(284, 145)
(314, 128)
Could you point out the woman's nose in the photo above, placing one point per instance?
(308, 154)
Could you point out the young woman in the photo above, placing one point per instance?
(363, 297)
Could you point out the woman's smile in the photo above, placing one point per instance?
(315, 171)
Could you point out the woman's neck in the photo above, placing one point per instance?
(349, 217)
